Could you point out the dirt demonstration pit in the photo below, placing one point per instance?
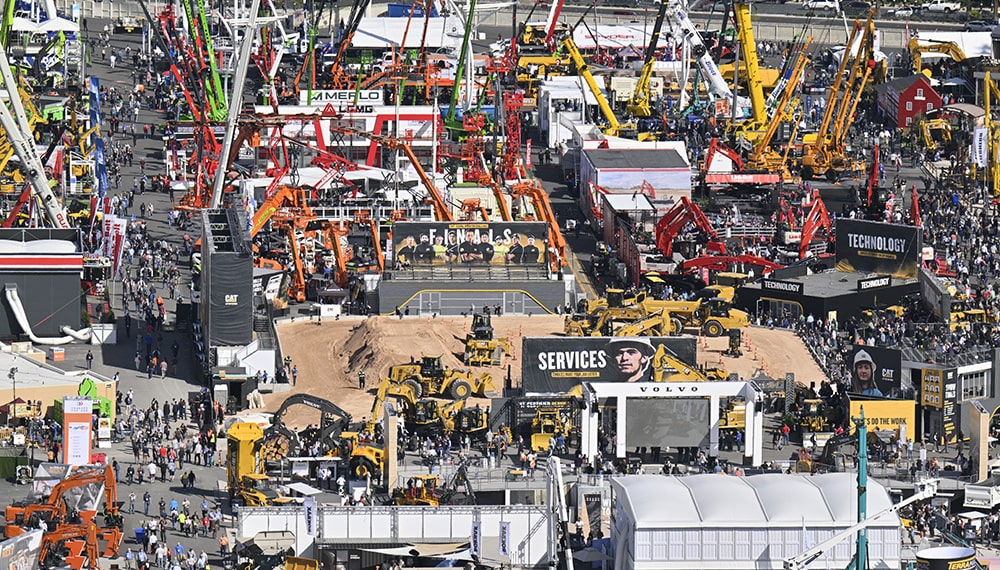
(329, 356)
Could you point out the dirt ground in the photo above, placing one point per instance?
(329, 356)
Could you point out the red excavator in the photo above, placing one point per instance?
(685, 212)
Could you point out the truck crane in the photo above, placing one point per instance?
(18, 130)
(755, 87)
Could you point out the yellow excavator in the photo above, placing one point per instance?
(936, 133)
(918, 48)
(669, 368)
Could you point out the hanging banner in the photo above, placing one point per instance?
(504, 539)
(309, 505)
(476, 539)
(979, 146)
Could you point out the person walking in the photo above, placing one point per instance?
(90, 360)
(146, 499)
(361, 380)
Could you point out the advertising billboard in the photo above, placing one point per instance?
(875, 371)
(469, 243)
(877, 247)
(886, 415)
(932, 388)
(667, 422)
(557, 364)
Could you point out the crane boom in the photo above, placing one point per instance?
(717, 84)
(927, 489)
(19, 135)
(614, 126)
(639, 105)
(744, 27)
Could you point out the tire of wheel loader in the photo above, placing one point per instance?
(414, 383)
(362, 467)
(460, 389)
(677, 327)
(714, 329)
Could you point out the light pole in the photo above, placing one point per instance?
(12, 375)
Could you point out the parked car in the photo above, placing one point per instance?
(904, 12)
(855, 8)
(946, 6)
(980, 25)
(820, 5)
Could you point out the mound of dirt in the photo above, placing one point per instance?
(329, 356)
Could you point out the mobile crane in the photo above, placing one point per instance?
(991, 94)
(825, 154)
(686, 30)
(755, 88)
(614, 127)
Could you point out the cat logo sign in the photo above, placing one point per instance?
(232, 300)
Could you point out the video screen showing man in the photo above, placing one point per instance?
(515, 251)
(530, 253)
(631, 357)
(469, 250)
(863, 377)
(424, 252)
(486, 250)
(439, 248)
(451, 254)
(405, 253)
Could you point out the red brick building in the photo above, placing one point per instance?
(903, 99)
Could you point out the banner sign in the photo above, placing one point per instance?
(874, 283)
(876, 371)
(979, 147)
(504, 538)
(876, 247)
(553, 365)
(309, 505)
(782, 286)
(885, 415)
(949, 409)
(341, 99)
(21, 552)
(476, 539)
(470, 243)
(932, 388)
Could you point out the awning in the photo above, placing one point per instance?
(303, 489)
(58, 25)
(652, 278)
(23, 25)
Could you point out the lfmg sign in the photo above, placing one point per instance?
(342, 99)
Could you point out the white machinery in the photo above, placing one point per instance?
(20, 135)
(557, 500)
(923, 490)
(685, 30)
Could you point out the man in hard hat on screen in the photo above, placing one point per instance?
(864, 375)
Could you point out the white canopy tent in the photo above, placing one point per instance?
(387, 33)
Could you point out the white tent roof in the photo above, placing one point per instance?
(59, 25)
(655, 501)
(385, 33)
(611, 36)
(629, 202)
(974, 44)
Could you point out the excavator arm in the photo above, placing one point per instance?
(680, 215)
(917, 49)
(817, 219)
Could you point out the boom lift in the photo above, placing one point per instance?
(543, 210)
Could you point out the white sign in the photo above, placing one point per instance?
(342, 98)
(476, 540)
(77, 405)
(78, 443)
(504, 539)
(979, 151)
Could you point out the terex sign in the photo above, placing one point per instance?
(342, 98)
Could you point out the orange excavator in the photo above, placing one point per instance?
(77, 546)
(24, 517)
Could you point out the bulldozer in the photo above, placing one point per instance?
(482, 348)
(429, 378)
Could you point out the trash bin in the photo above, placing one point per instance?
(140, 535)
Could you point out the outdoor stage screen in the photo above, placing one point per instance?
(555, 365)
(469, 243)
(876, 247)
(667, 422)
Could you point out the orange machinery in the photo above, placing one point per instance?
(24, 517)
(77, 546)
